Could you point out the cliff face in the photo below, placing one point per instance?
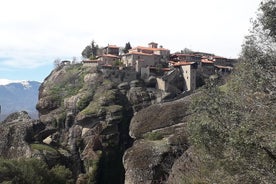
(14, 135)
(89, 113)
(160, 138)
(84, 124)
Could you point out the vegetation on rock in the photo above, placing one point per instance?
(33, 171)
(234, 127)
(225, 135)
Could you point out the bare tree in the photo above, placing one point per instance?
(57, 62)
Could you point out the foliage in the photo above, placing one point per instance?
(153, 136)
(71, 83)
(61, 175)
(268, 17)
(32, 171)
(235, 124)
(118, 63)
(186, 51)
(90, 51)
(102, 103)
(85, 100)
(92, 167)
(127, 47)
(42, 147)
(87, 52)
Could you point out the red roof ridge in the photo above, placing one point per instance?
(138, 53)
(113, 46)
(182, 63)
(206, 61)
(184, 54)
(148, 48)
(109, 55)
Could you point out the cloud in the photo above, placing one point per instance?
(32, 48)
(7, 81)
(34, 33)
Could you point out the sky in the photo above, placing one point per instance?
(34, 33)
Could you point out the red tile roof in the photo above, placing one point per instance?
(181, 63)
(148, 48)
(109, 55)
(206, 61)
(138, 53)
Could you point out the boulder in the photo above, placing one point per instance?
(17, 130)
(161, 137)
(17, 117)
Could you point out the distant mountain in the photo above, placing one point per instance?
(18, 96)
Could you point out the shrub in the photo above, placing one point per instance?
(153, 136)
(42, 147)
(32, 171)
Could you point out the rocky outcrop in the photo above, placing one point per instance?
(138, 96)
(16, 130)
(17, 116)
(90, 112)
(86, 110)
(160, 139)
(84, 118)
(186, 166)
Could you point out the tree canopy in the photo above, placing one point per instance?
(90, 51)
(33, 171)
(234, 126)
(127, 47)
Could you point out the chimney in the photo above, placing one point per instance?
(153, 45)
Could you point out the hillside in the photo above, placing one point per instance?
(86, 117)
(98, 125)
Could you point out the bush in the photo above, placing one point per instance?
(32, 171)
(153, 136)
(42, 147)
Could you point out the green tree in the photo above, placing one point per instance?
(127, 47)
(268, 17)
(32, 171)
(94, 48)
(186, 51)
(236, 126)
(90, 51)
(87, 52)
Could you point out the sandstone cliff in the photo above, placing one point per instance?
(84, 116)
(160, 136)
(84, 124)
(90, 111)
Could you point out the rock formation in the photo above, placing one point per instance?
(17, 131)
(160, 138)
(84, 124)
